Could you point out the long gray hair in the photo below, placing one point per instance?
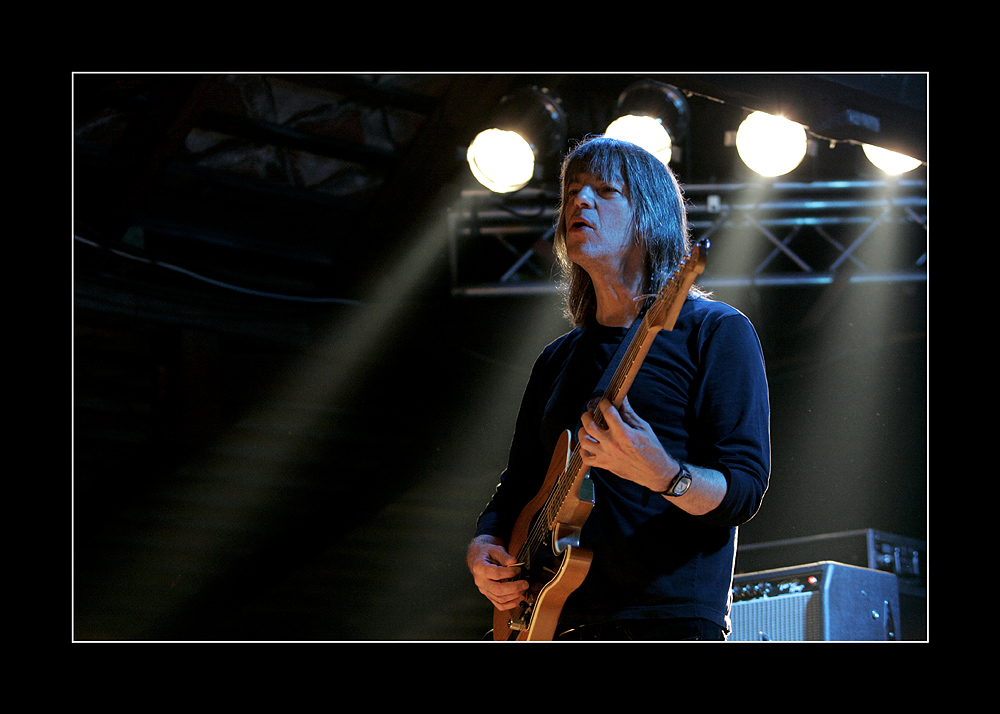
(659, 219)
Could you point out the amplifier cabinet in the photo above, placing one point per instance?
(823, 601)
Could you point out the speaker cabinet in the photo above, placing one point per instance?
(904, 557)
(824, 601)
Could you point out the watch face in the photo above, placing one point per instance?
(682, 486)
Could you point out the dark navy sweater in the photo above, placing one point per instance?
(702, 387)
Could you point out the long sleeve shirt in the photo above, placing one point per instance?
(703, 389)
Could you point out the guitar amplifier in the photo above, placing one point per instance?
(904, 557)
(823, 601)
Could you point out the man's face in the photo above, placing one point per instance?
(597, 220)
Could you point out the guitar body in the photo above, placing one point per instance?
(559, 565)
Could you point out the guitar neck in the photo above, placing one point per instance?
(661, 315)
(575, 473)
(627, 369)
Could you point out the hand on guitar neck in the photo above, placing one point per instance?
(628, 448)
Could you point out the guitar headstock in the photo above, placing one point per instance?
(663, 313)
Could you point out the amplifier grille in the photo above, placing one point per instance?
(782, 618)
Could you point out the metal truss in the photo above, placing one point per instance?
(761, 234)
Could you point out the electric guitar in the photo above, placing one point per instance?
(546, 534)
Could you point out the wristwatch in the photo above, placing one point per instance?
(680, 484)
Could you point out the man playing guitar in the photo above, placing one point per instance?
(673, 467)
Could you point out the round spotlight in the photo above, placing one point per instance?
(647, 132)
(771, 145)
(890, 161)
(502, 161)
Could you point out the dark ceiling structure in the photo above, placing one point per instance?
(272, 270)
(303, 183)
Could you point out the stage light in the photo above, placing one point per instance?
(528, 127)
(771, 145)
(502, 161)
(890, 161)
(647, 132)
(654, 116)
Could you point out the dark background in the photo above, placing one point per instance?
(291, 400)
